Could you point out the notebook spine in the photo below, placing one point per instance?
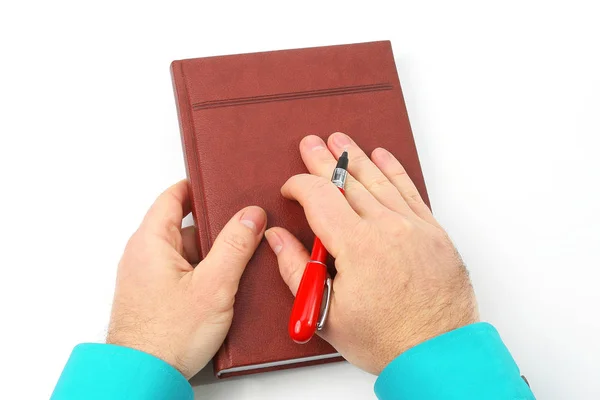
(222, 359)
(190, 154)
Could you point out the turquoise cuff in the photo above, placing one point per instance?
(471, 362)
(106, 371)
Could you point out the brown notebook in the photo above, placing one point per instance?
(255, 109)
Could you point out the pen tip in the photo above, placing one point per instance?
(343, 161)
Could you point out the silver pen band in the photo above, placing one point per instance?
(339, 177)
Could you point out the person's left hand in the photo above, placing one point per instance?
(166, 307)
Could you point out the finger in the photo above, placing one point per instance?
(291, 256)
(165, 216)
(395, 172)
(319, 161)
(328, 213)
(367, 173)
(190, 247)
(233, 247)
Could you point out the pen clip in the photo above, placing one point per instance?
(321, 322)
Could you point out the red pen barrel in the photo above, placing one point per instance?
(319, 252)
(307, 306)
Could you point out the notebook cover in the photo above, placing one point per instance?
(255, 109)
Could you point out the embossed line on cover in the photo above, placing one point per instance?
(240, 101)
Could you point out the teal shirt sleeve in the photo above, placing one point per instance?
(106, 371)
(471, 362)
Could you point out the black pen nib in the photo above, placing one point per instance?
(343, 161)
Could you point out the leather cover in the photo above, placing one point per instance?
(242, 118)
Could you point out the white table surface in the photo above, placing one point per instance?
(504, 100)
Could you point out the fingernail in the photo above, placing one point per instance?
(313, 142)
(274, 241)
(341, 140)
(254, 218)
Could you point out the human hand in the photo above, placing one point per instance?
(399, 281)
(166, 307)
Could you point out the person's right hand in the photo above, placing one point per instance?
(399, 281)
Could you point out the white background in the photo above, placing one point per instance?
(504, 100)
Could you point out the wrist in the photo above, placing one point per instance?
(469, 362)
(147, 345)
(402, 342)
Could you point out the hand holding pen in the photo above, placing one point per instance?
(399, 279)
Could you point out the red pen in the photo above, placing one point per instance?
(305, 319)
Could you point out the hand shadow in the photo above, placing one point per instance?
(206, 376)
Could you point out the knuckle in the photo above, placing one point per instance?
(383, 214)
(378, 182)
(398, 173)
(237, 242)
(173, 197)
(291, 274)
(402, 227)
(352, 184)
(223, 298)
(320, 183)
(413, 197)
(218, 296)
(360, 158)
(317, 186)
(174, 237)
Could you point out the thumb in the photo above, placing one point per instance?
(233, 248)
(291, 256)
